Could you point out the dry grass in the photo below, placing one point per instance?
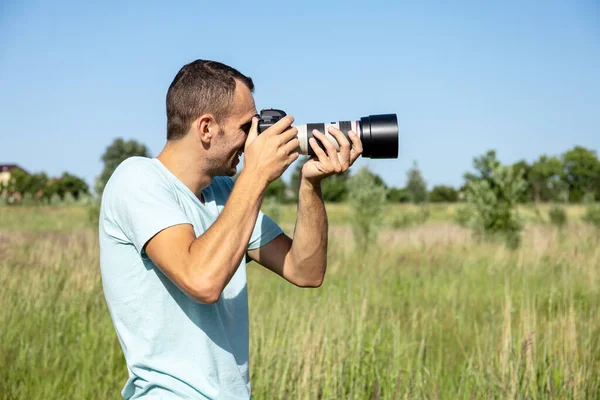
(430, 313)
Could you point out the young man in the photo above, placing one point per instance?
(175, 236)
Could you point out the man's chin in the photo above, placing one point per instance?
(231, 171)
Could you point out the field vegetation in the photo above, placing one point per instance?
(428, 312)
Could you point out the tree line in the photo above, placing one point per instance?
(25, 188)
(38, 187)
(573, 176)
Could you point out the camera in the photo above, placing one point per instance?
(378, 133)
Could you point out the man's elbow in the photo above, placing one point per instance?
(203, 290)
(314, 281)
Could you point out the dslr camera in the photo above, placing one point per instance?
(378, 133)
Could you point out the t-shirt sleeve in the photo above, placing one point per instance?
(265, 229)
(143, 203)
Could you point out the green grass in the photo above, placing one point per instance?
(68, 218)
(43, 218)
(430, 314)
(339, 213)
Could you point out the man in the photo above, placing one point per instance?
(175, 236)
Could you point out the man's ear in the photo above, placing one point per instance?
(205, 128)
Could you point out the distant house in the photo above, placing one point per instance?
(5, 171)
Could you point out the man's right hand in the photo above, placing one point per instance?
(269, 154)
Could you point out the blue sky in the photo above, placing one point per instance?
(519, 77)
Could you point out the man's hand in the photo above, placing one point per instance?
(332, 162)
(269, 154)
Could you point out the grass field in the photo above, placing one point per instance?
(429, 313)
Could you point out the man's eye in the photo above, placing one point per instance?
(246, 127)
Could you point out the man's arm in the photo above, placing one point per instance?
(303, 260)
(203, 266)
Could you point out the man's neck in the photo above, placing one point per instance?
(186, 166)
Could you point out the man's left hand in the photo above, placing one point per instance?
(331, 162)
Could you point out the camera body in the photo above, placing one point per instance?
(269, 117)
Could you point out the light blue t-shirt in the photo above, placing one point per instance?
(174, 347)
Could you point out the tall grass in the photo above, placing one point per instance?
(433, 314)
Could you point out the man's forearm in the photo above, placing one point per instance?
(219, 250)
(309, 247)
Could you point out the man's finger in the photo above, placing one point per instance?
(291, 146)
(321, 156)
(344, 154)
(292, 157)
(280, 126)
(357, 147)
(288, 135)
(331, 150)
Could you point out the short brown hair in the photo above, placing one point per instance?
(200, 87)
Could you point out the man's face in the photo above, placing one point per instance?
(229, 144)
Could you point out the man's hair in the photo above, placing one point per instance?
(201, 87)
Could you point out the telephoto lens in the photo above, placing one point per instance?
(378, 133)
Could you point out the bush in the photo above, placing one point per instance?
(94, 213)
(493, 200)
(396, 195)
(558, 216)
(276, 189)
(463, 216)
(592, 215)
(408, 218)
(443, 194)
(367, 201)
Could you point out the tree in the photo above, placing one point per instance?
(443, 194)
(416, 186)
(522, 168)
(396, 195)
(22, 184)
(276, 190)
(545, 178)
(118, 151)
(484, 164)
(72, 184)
(492, 197)
(39, 187)
(581, 173)
(335, 187)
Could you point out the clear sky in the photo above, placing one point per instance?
(519, 77)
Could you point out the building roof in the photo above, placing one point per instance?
(8, 167)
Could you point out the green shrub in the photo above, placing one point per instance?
(407, 218)
(493, 198)
(462, 216)
(558, 216)
(367, 202)
(592, 215)
(93, 212)
(403, 220)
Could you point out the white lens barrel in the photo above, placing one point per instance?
(303, 139)
(305, 133)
